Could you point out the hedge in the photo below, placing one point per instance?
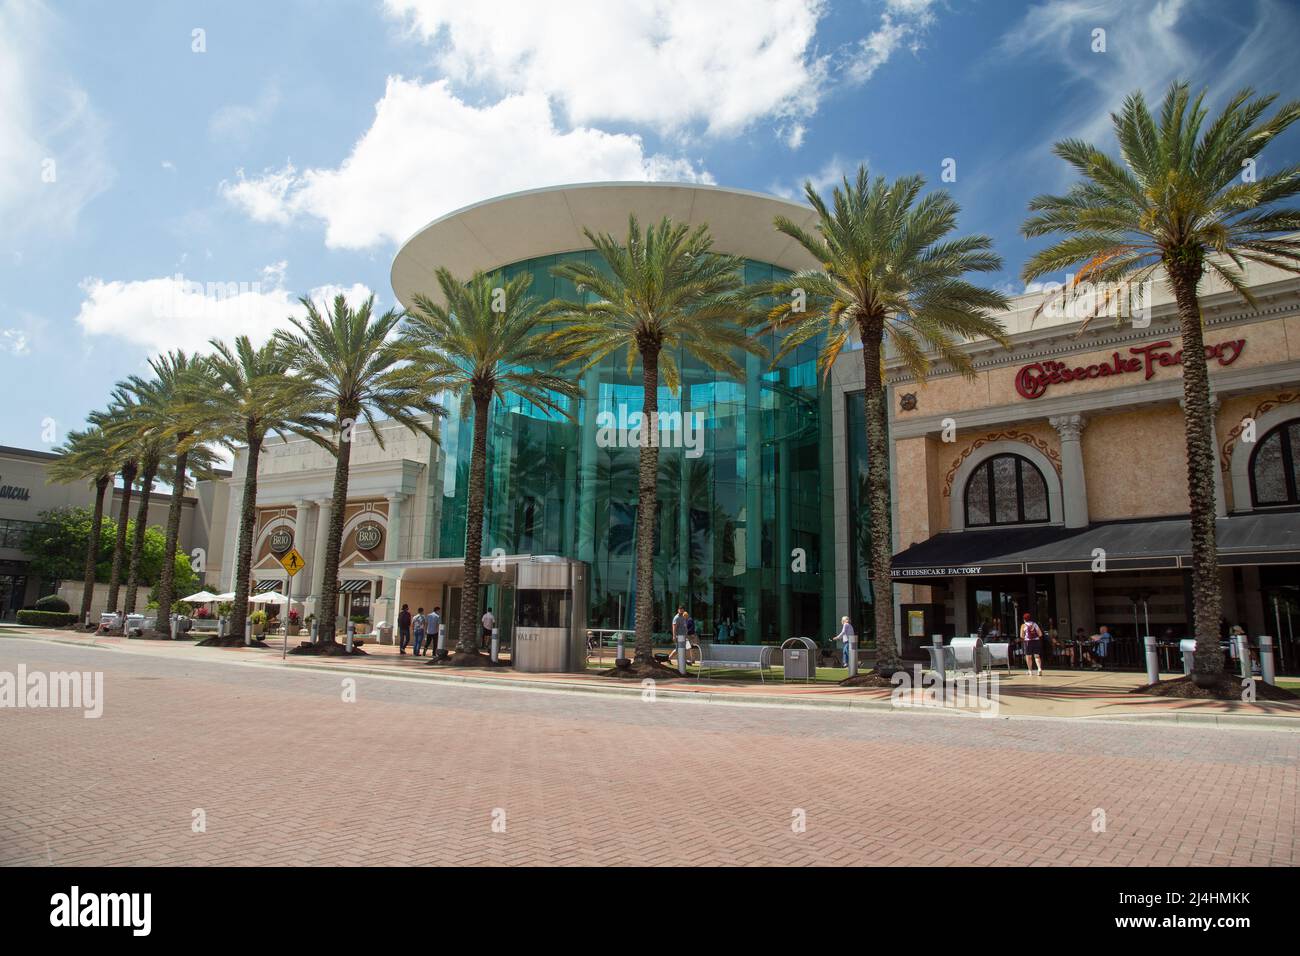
(52, 602)
(46, 618)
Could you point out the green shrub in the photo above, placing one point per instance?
(257, 617)
(46, 618)
(52, 602)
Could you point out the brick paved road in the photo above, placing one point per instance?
(412, 772)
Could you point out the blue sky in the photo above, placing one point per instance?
(152, 150)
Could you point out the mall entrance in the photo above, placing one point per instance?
(995, 605)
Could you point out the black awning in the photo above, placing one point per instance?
(353, 586)
(261, 587)
(1137, 545)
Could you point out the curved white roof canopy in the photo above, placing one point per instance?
(541, 222)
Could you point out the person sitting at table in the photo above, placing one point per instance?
(1097, 647)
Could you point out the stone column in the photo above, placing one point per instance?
(1074, 488)
(318, 550)
(393, 536)
(298, 583)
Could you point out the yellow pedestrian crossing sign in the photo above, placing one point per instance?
(292, 561)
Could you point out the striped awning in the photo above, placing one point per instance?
(261, 587)
(353, 586)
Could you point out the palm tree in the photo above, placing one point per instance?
(140, 437)
(1177, 203)
(887, 270)
(662, 291)
(113, 423)
(87, 456)
(170, 405)
(348, 368)
(484, 344)
(250, 396)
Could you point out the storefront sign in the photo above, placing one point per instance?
(369, 536)
(14, 492)
(1032, 381)
(281, 540)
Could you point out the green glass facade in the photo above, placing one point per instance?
(745, 525)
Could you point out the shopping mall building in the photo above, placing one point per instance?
(1004, 486)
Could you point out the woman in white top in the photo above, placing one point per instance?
(847, 635)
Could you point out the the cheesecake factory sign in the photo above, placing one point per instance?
(1033, 381)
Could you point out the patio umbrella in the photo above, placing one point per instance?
(268, 597)
(201, 597)
(224, 596)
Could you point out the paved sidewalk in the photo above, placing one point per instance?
(1058, 693)
(299, 766)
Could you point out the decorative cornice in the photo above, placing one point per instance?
(1225, 450)
(1009, 435)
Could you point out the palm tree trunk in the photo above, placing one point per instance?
(329, 599)
(92, 546)
(879, 501)
(247, 519)
(1199, 429)
(119, 547)
(467, 639)
(167, 580)
(137, 543)
(646, 505)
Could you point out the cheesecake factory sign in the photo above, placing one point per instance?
(1033, 381)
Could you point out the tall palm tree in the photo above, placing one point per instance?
(113, 423)
(249, 397)
(1177, 204)
(484, 342)
(139, 436)
(888, 270)
(170, 405)
(349, 369)
(660, 292)
(87, 456)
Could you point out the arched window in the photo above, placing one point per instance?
(1006, 489)
(1275, 467)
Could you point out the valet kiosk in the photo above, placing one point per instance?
(550, 632)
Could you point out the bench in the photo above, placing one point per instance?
(997, 653)
(734, 657)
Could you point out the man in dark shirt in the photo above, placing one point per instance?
(404, 627)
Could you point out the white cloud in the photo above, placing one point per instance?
(903, 23)
(13, 341)
(1143, 52)
(428, 153)
(178, 312)
(53, 157)
(662, 63)
(237, 123)
(830, 175)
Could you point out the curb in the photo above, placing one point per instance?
(1261, 722)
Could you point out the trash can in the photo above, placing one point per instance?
(1188, 647)
(134, 625)
(799, 659)
(385, 632)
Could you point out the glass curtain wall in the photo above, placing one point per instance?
(744, 533)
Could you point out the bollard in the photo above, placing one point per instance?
(1153, 659)
(940, 657)
(313, 632)
(621, 655)
(1266, 664)
(681, 656)
(442, 640)
(351, 629)
(221, 626)
(1243, 654)
(172, 624)
(1188, 648)
(248, 632)
(853, 658)
(496, 644)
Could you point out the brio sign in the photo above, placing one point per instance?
(1032, 381)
